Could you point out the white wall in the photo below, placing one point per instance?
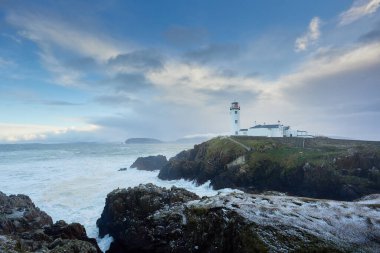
(235, 121)
(291, 133)
(276, 132)
(259, 132)
(243, 132)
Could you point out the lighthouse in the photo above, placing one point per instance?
(235, 118)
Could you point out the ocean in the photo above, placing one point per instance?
(71, 181)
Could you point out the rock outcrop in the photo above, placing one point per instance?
(125, 211)
(25, 228)
(202, 163)
(148, 218)
(150, 163)
(318, 168)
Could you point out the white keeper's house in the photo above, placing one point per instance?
(271, 130)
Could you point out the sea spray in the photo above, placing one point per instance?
(71, 181)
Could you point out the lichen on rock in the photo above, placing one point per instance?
(148, 218)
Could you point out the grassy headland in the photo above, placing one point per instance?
(318, 167)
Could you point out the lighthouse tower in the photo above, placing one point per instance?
(235, 118)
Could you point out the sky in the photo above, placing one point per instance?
(111, 70)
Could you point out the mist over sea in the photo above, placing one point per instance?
(71, 181)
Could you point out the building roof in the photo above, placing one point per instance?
(266, 126)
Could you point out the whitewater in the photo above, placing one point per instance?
(71, 181)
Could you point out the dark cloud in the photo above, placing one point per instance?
(214, 52)
(83, 64)
(371, 36)
(140, 60)
(59, 103)
(353, 107)
(113, 100)
(253, 74)
(182, 36)
(356, 90)
(128, 82)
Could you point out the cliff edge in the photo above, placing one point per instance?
(318, 167)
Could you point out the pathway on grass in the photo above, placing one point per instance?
(241, 144)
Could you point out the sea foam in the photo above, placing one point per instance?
(71, 181)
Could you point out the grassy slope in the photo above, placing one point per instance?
(319, 167)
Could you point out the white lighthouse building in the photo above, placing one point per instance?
(265, 130)
(235, 118)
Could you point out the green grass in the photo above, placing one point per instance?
(290, 152)
(291, 157)
(258, 143)
(223, 146)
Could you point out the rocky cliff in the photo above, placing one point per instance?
(25, 228)
(148, 218)
(320, 167)
(150, 163)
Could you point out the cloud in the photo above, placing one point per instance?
(214, 52)
(198, 77)
(48, 30)
(68, 50)
(83, 64)
(33, 133)
(141, 60)
(180, 93)
(310, 37)
(127, 82)
(62, 74)
(5, 63)
(59, 103)
(371, 36)
(228, 94)
(12, 37)
(29, 96)
(162, 120)
(186, 36)
(113, 100)
(358, 10)
(334, 93)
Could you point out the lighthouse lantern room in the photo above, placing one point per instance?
(235, 117)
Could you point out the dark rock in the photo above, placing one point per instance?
(148, 218)
(18, 214)
(122, 169)
(202, 163)
(25, 228)
(74, 246)
(150, 163)
(125, 208)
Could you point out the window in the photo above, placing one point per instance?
(235, 112)
(236, 121)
